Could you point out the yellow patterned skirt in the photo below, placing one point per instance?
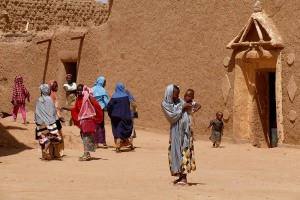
(188, 159)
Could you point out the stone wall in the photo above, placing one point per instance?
(43, 14)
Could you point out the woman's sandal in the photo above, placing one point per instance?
(130, 147)
(118, 150)
(85, 157)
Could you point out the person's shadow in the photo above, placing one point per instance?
(195, 184)
(15, 128)
(93, 158)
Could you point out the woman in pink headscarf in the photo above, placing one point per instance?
(20, 94)
(86, 113)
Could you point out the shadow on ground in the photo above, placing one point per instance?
(9, 145)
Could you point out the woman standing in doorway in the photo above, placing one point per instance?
(70, 88)
(118, 110)
(102, 98)
(181, 159)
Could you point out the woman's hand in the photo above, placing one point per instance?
(61, 119)
(64, 108)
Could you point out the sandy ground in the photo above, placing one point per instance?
(236, 171)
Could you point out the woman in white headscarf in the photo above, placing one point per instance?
(181, 150)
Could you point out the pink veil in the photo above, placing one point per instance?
(87, 109)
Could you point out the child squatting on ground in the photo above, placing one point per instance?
(217, 129)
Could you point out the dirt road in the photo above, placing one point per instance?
(232, 172)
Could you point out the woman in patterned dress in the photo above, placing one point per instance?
(20, 94)
(181, 148)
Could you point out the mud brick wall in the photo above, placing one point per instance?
(42, 14)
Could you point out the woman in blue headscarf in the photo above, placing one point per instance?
(102, 98)
(119, 112)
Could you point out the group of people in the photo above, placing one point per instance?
(86, 107)
(179, 113)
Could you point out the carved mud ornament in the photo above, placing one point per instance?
(259, 31)
(292, 115)
(257, 7)
(225, 88)
(292, 88)
(226, 61)
(290, 59)
(226, 115)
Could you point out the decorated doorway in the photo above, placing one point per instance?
(257, 85)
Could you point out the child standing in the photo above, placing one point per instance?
(217, 129)
(20, 94)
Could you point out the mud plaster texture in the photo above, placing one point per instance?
(43, 15)
(150, 44)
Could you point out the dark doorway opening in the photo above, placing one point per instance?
(71, 68)
(272, 102)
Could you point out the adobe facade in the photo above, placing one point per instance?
(150, 44)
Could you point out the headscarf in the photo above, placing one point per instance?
(169, 94)
(131, 98)
(20, 93)
(87, 110)
(45, 112)
(98, 88)
(52, 93)
(120, 91)
(89, 90)
(100, 92)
